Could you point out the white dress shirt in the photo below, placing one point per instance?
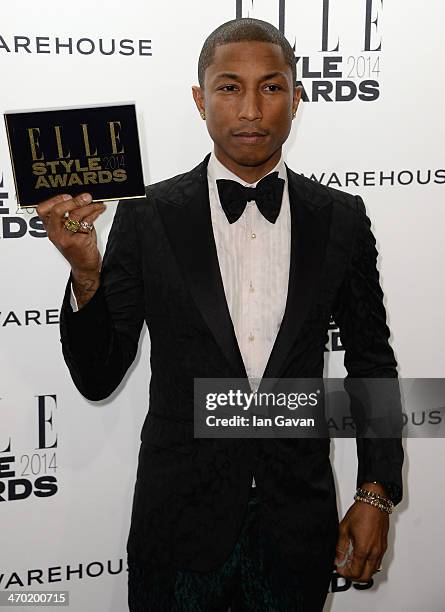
(254, 258)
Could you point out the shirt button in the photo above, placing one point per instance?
(253, 235)
(251, 287)
(251, 338)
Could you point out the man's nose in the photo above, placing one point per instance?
(250, 108)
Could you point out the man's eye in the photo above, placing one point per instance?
(228, 88)
(273, 87)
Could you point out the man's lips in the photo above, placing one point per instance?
(250, 137)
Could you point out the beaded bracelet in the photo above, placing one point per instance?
(375, 495)
(370, 497)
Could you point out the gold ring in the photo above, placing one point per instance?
(72, 225)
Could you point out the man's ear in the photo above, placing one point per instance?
(297, 98)
(198, 96)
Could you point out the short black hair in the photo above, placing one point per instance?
(242, 30)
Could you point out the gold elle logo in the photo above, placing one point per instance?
(88, 167)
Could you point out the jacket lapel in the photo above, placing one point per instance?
(310, 223)
(185, 212)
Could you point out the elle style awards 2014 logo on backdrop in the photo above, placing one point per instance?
(32, 472)
(330, 70)
(15, 222)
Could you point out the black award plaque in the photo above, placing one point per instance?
(92, 149)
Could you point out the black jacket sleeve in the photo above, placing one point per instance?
(99, 342)
(361, 316)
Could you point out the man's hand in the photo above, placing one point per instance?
(366, 527)
(79, 249)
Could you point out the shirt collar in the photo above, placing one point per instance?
(217, 170)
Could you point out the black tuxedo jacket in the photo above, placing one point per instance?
(161, 267)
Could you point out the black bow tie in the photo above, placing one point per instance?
(267, 194)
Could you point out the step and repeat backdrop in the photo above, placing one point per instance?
(371, 123)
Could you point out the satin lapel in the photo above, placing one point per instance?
(310, 223)
(185, 212)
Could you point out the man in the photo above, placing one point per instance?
(234, 283)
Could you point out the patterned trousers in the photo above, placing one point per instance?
(253, 578)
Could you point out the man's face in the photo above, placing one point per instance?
(248, 98)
